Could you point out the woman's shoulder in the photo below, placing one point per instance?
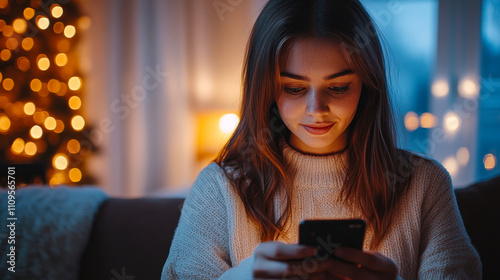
(212, 172)
(423, 167)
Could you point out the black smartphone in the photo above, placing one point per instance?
(327, 235)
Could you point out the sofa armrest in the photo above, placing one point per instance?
(130, 237)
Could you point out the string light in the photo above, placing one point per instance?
(58, 27)
(5, 54)
(59, 126)
(73, 146)
(60, 161)
(42, 22)
(50, 123)
(17, 146)
(61, 59)
(8, 84)
(23, 64)
(28, 13)
(8, 31)
(19, 25)
(36, 85)
(57, 179)
(12, 43)
(74, 102)
(77, 122)
(3, 4)
(74, 83)
(69, 31)
(30, 148)
(84, 23)
(36, 132)
(75, 175)
(43, 62)
(29, 108)
(4, 123)
(54, 85)
(48, 60)
(27, 43)
(56, 10)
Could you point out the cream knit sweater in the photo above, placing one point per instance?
(215, 239)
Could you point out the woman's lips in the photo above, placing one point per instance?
(318, 129)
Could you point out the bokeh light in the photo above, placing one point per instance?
(75, 102)
(73, 146)
(56, 11)
(61, 59)
(17, 146)
(489, 161)
(28, 13)
(50, 123)
(69, 31)
(42, 22)
(29, 108)
(4, 123)
(75, 175)
(451, 164)
(19, 25)
(463, 156)
(36, 132)
(428, 120)
(60, 161)
(451, 122)
(77, 122)
(30, 148)
(467, 88)
(228, 123)
(74, 83)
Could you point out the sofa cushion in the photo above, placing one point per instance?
(118, 250)
(479, 206)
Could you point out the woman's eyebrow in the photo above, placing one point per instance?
(329, 77)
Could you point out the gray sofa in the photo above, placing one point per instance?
(131, 237)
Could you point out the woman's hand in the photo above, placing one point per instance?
(364, 265)
(277, 260)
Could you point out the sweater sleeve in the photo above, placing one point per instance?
(200, 248)
(445, 250)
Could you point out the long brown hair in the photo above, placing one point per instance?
(253, 158)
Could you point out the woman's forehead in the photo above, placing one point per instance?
(306, 53)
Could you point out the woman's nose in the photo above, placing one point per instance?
(316, 103)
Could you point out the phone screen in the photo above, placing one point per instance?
(327, 235)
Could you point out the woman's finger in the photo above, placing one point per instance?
(276, 250)
(367, 259)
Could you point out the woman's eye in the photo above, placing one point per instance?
(339, 90)
(295, 90)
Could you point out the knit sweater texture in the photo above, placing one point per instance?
(215, 238)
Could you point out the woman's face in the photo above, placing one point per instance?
(319, 96)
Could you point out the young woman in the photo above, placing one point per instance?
(317, 141)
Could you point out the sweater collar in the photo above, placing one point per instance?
(316, 171)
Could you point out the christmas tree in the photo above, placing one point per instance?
(42, 128)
